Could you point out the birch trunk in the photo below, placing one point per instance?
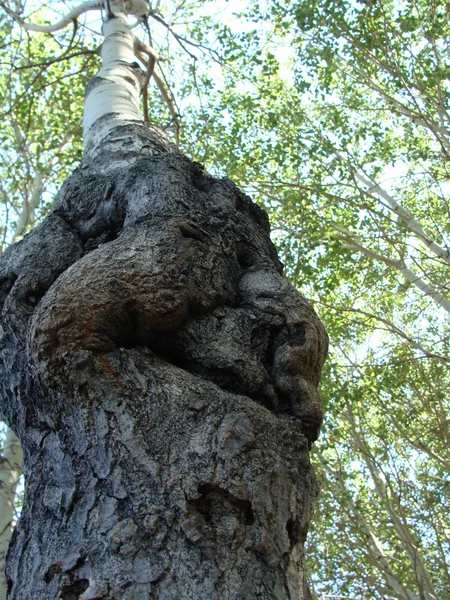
(10, 471)
(162, 377)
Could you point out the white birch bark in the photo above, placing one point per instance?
(10, 471)
(405, 536)
(118, 88)
(113, 97)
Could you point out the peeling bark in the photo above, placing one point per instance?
(162, 378)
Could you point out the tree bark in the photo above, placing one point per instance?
(162, 378)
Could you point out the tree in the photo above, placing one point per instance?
(159, 371)
(298, 123)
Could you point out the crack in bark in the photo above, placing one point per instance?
(206, 489)
(73, 591)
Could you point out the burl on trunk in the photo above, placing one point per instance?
(162, 377)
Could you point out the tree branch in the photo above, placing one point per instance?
(71, 16)
(403, 531)
(353, 244)
(412, 224)
(391, 327)
(151, 62)
(375, 547)
(442, 134)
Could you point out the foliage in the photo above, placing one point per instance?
(42, 85)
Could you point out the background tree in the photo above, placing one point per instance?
(35, 135)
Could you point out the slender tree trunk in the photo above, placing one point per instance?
(162, 377)
(10, 471)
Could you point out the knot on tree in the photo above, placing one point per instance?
(162, 256)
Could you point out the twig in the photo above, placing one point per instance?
(52, 61)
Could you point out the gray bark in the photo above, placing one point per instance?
(162, 378)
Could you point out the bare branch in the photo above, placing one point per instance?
(413, 225)
(390, 327)
(64, 22)
(52, 61)
(353, 243)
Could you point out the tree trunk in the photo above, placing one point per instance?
(161, 375)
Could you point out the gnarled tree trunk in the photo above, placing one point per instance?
(162, 378)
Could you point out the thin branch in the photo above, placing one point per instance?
(52, 61)
(391, 327)
(170, 104)
(353, 244)
(183, 41)
(71, 16)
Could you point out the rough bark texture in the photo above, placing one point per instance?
(161, 375)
